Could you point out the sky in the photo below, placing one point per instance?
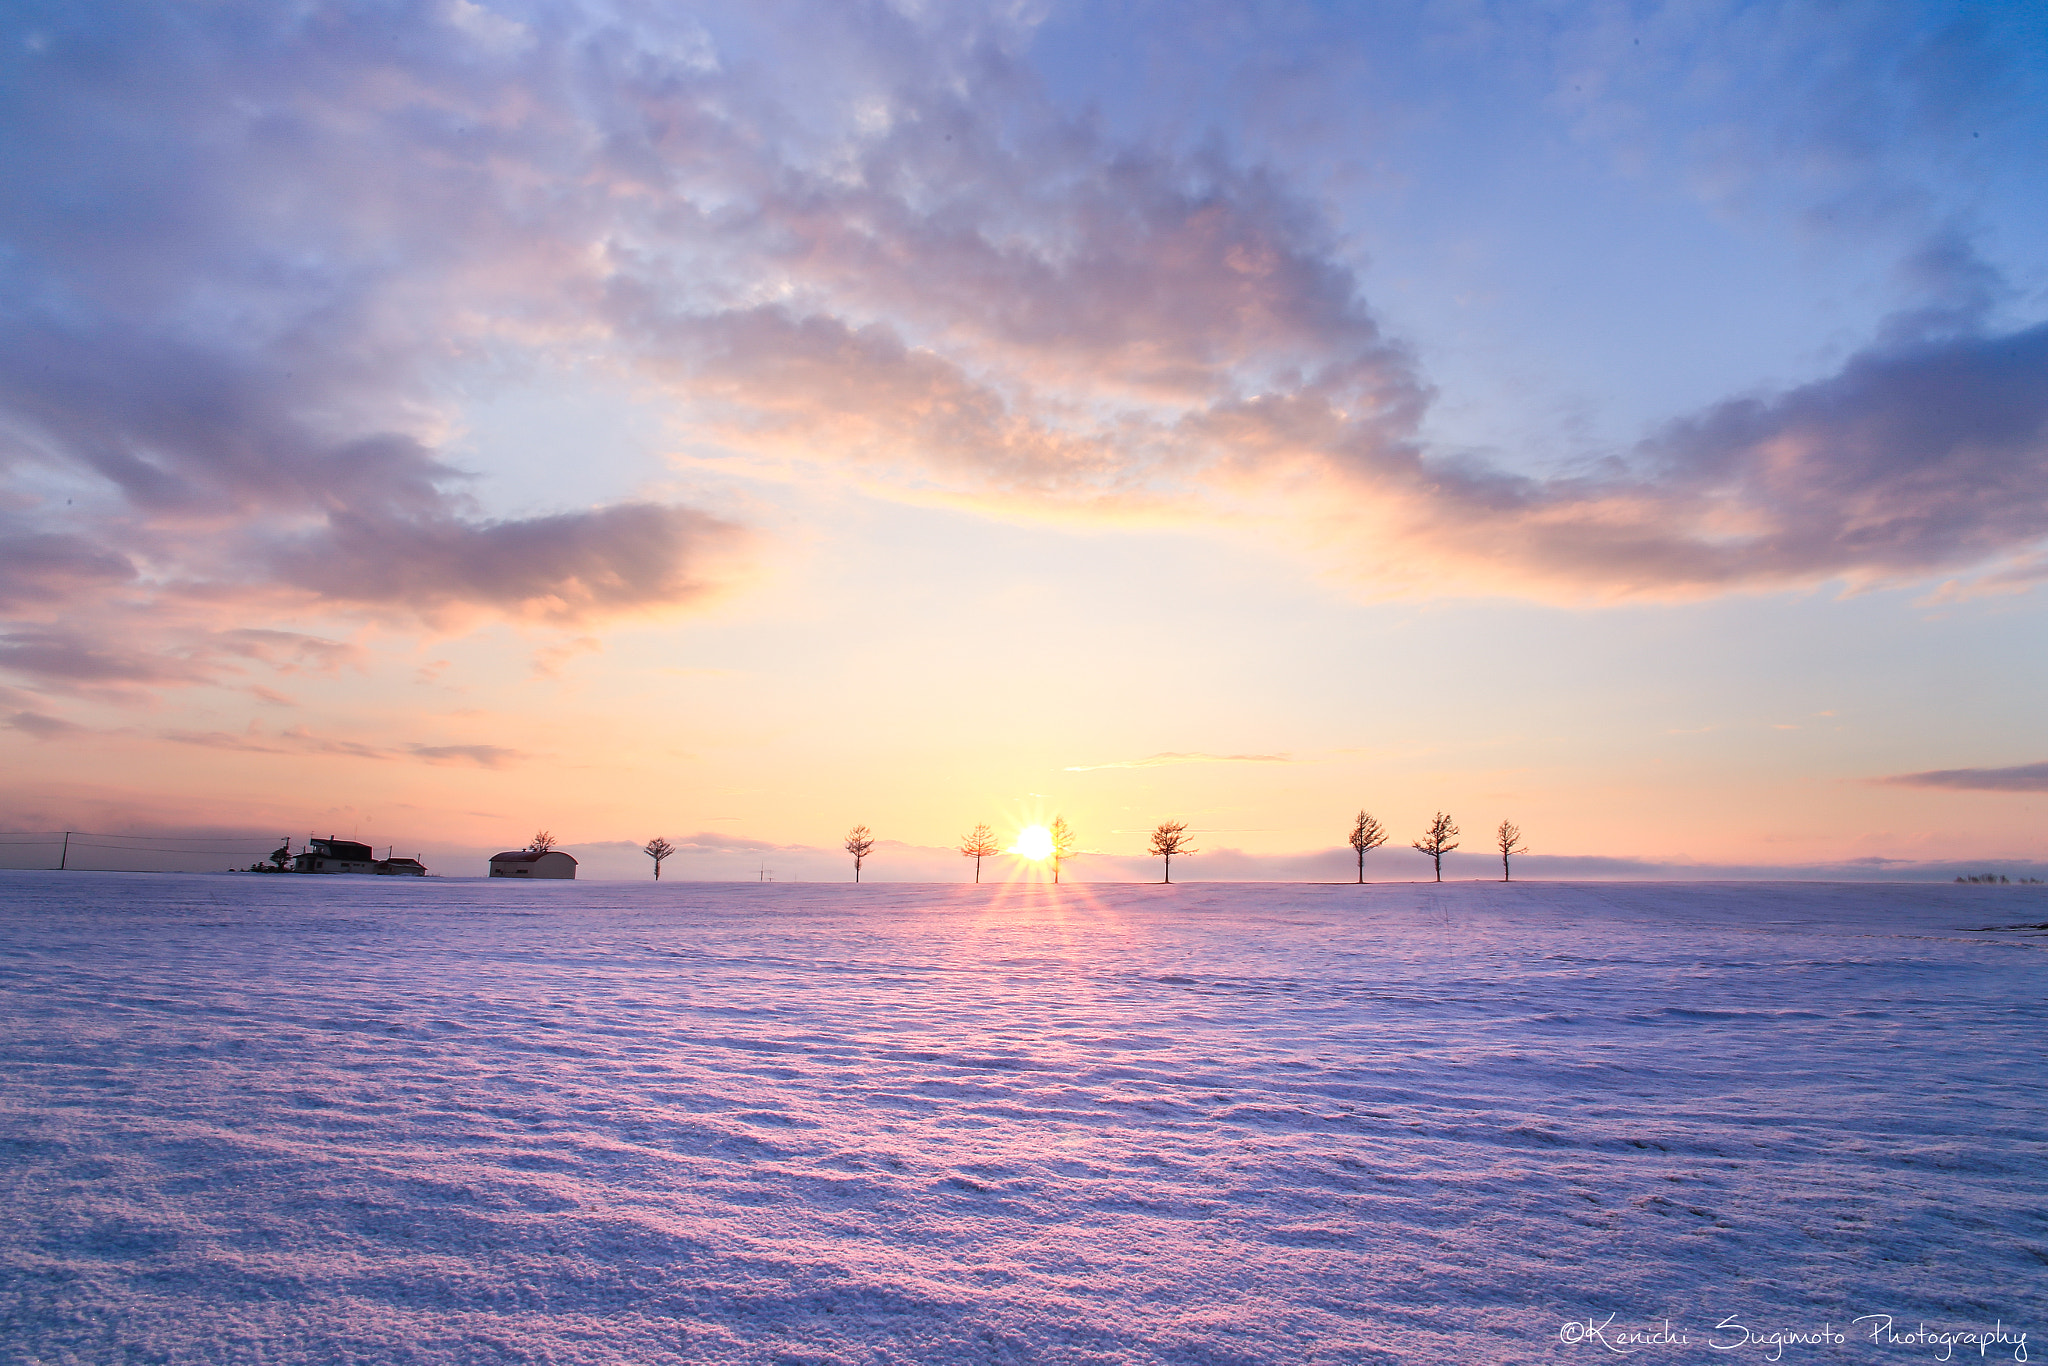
(432, 422)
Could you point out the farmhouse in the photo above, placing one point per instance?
(346, 856)
(531, 863)
(335, 856)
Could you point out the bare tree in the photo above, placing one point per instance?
(1366, 835)
(542, 841)
(1170, 839)
(1062, 836)
(1510, 836)
(859, 844)
(980, 845)
(1437, 842)
(657, 849)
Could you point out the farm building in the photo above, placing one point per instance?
(335, 856)
(346, 856)
(529, 863)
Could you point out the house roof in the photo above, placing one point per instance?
(341, 849)
(528, 856)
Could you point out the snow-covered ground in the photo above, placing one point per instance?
(284, 1120)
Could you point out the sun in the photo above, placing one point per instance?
(1033, 842)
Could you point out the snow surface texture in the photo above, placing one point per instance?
(285, 1120)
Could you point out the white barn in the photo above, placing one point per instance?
(527, 863)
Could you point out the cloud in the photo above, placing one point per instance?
(568, 567)
(73, 661)
(292, 223)
(249, 249)
(43, 727)
(483, 756)
(1171, 757)
(294, 741)
(2018, 778)
(287, 651)
(1913, 459)
(40, 568)
(1173, 336)
(714, 842)
(1910, 459)
(300, 740)
(1400, 865)
(66, 659)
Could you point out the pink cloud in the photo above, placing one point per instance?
(43, 727)
(904, 267)
(300, 740)
(2017, 778)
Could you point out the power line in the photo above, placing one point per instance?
(144, 849)
(114, 835)
(180, 847)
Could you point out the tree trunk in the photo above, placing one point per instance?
(1361, 867)
(1439, 866)
(1169, 869)
(977, 870)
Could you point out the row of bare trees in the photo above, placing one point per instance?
(1169, 839)
(1441, 837)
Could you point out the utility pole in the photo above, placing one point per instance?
(64, 859)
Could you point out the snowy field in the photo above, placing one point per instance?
(291, 1120)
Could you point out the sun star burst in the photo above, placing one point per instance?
(1034, 842)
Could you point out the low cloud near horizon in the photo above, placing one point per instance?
(2017, 778)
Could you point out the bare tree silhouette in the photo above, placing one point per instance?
(859, 844)
(978, 846)
(657, 849)
(542, 841)
(1062, 844)
(1437, 842)
(1170, 839)
(1510, 837)
(1367, 834)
